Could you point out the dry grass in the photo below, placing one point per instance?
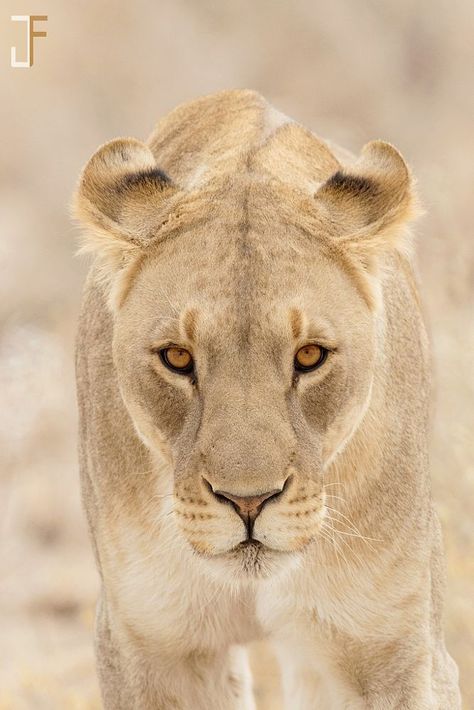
(397, 70)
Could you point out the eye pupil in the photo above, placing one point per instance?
(177, 359)
(310, 357)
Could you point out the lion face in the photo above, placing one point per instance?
(247, 358)
(245, 290)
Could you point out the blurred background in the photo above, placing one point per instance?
(400, 70)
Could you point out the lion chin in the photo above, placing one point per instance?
(251, 560)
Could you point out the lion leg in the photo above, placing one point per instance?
(430, 684)
(134, 675)
(310, 684)
(354, 676)
(241, 676)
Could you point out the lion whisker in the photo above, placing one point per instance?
(330, 495)
(352, 534)
(332, 541)
(352, 525)
(344, 542)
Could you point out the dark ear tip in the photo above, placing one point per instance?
(153, 177)
(351, 184)
(119, 156)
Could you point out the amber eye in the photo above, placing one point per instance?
(310, 357)
(177, 359)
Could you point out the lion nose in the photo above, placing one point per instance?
(247, 507)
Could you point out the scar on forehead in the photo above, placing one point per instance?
(296, 322)
(189, 321)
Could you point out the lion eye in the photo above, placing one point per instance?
(177, 359)
(310, 357)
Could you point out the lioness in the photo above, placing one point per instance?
(254, 385)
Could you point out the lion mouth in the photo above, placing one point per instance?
(251, 559)
(249, 543)
(250, 550)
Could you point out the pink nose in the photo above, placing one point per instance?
(247, 507)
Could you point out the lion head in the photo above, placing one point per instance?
(243, 264)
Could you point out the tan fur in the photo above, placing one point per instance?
(237, 234)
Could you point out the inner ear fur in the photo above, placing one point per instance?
(369, 204)
(120, 195)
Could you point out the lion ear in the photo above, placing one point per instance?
(369, 204)
(121, 197)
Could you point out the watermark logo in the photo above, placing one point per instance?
(31, 33)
